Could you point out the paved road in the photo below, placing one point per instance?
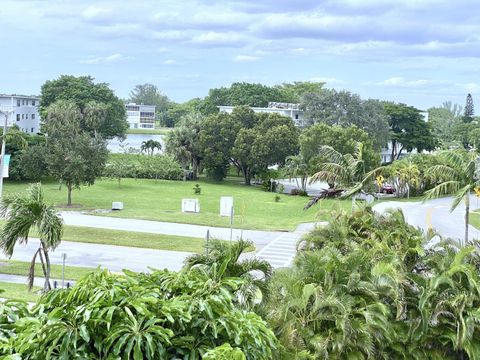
(114, 258)
(436, 214)
(259, 238)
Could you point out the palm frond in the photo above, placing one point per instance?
(445, 188)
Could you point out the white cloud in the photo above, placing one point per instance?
(169, 62)
(95, 13)
(240, 58)
(218, 39)
(399, 81)
(329, 80)
(104, 59)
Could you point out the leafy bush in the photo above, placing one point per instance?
(197, 189)
(162, 315)
(364, 287)
(298, 192)
(143, 167)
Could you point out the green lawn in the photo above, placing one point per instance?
(13, 267)
(129, 238)
(161, 200)
(160, 131)
(18, 292)
(475, 219)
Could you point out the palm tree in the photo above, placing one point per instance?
(296, 167)
(25, 212)
(408, 173)
(253, 270)
(340, 169)
(149, 146)
(457, 175)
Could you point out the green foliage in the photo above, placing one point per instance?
(224, 352)
(26, 212)
(249, 140)
(143, 167)
(197, 189)
(226, 255)
(343, 139)
(149, 94)
(243, 94)
(161, 315)
(183, 142)
(150, 146)
(342, 108)
(364, 287)
(72, 156)
(82, 91)
(408, 130)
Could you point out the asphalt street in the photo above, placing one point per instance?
(436, 214)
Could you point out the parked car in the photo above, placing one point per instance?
(387, 189)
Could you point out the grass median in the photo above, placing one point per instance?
(161, 200)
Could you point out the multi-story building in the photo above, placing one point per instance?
(140, 116)
(22, 111)
(285, 109)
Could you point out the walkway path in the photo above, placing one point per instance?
(38, 281)
(281, 251)
(259, 238)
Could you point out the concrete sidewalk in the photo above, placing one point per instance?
(259, 238)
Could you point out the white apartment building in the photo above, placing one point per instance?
(22, 111)
(285, 109)
(140, 116)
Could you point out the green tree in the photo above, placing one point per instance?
(183, 142)
(469, 109)
(254, 271)
(73, 157)
(246, 94)
(408, 130)
(342, 108)
(149, 146)
(82, 91)
(293, 92)
(296, 167)
(456, 175)
(26, 212)
(342, 139)
(159, 315)
(149, 94)
(340, 169)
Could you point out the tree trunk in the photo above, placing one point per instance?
(69, 194)
(394, 145)
(46, 269)
(194, 168)
(247, 175)
(304, 183)
(467, 217)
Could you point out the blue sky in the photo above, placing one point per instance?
(420, 52)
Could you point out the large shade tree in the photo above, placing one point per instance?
(82, 91)
(457, 175)
(25, 212)
(72, 155)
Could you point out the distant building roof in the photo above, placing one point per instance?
(20, 95)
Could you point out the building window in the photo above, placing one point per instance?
(23, 116)
(296, 116)
(33, 116)
(18, 117)
(18, 102)
(26, 116)
(33, 102)
(23, 102)
(31, 130)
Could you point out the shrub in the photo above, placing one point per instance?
(277, 198)
(143, 167)
(298, 192)
(197, 189)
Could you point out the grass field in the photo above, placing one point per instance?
(18, 292)
(161, 131)
(161, 200)
(13, 267)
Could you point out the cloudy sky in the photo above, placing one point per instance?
(421, 52)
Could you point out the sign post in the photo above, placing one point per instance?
(64, 258)
(231, 222)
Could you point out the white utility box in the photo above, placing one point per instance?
(190, 205)
(117, 205)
